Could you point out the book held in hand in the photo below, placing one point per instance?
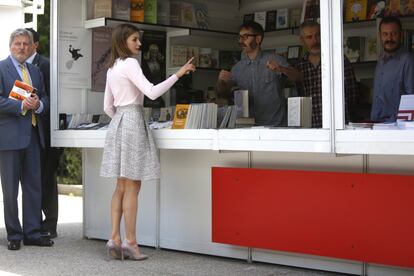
(21, 91)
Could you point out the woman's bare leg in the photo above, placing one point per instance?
(130, 208)
(117, 209)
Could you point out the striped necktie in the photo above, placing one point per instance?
(26, 79)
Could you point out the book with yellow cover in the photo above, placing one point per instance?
(21, 91)
(137, 10)
(355, 10)
(180, 116)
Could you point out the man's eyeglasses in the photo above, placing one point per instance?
(246, 36)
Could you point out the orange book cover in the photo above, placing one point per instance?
(21, 91)
(137, 10)
(355, 10)
(180, 116)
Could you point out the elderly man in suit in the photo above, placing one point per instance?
(50, 155)
(20, 144)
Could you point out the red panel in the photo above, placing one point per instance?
(364, 217)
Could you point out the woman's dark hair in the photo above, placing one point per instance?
(119, 48)
(390, 19)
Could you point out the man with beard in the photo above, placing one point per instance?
(394, 74)
(307, 73)
(267, 103)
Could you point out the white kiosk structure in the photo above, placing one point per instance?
(180, 212)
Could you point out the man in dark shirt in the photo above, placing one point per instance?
(307, 73)
(267, 103)
(50, 155)
(394, 74)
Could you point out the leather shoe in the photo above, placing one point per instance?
(42, 241)
(50, 235)
(13, 245)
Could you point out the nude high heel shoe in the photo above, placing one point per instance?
(114, 251)
(132, 252)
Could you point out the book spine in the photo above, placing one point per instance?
(137, 10)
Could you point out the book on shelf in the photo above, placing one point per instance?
(300, 112)
(375, 9)
(137, 10)
(63, 121)
(21, 90)
(371, 53)
(359, 125)
(175, 13)
(193, 51)
(101, 52)
(178, 56)
(406, 108)
(260, 17)
(187, 15)
(206, 57)
(294, 17)
(166, 114)
(245, 122)
(214, 58)
(121, 9)
(282, 18)
(248, 17)
(355, 48)
(241, 101)
(163, 12)
(355, 10)
(408, 42)
(270, 21)
(404, 124)
(180, 116)
(224, 122)
(150, 11)
(386, 126)
(393, 8)
(407, 7)
(294, 52)
(201, 15)
(102, 8)
(310, 10)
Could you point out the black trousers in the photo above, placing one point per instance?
(50, 162)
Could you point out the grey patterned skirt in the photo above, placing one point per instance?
(130, 150)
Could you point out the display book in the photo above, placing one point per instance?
(209, 115)
(299, 112)
(204, 57)
(277, 19)
(83, 121)
(360, 10)
(405, 118)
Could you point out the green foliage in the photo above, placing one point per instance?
(70, 167)
(43, 28)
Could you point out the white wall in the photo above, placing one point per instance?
(11, 18)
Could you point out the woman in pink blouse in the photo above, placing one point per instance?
(129, 153)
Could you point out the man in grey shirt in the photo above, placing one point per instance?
(394, 74)
(267, 103)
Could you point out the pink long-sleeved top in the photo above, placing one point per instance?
(126, 84)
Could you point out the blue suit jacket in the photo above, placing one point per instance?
(15, 129)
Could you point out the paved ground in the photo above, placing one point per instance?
(73, 255)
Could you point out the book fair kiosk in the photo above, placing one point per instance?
(335, 198)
